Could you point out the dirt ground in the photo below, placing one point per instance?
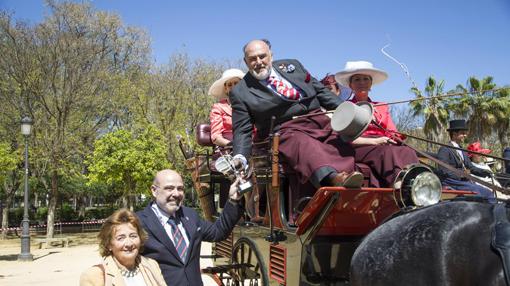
(59, 265)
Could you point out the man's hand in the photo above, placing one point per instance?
(234, 190)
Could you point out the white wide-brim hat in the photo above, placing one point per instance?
(217, 89)
(360, 67)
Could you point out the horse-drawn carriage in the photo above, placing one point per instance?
(305, 237)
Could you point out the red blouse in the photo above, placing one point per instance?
(383, 117)
(221, 120)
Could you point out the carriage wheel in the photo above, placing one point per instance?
(251, 270)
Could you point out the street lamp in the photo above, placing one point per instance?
(25, 255)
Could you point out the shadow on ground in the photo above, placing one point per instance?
(14, 257)
(10, 257)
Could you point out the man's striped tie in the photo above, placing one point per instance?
(179, 242)
(283, 89)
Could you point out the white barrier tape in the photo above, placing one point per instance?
(55, 224)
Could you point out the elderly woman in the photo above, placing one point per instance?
(377, 146)
(221, 112)
(120, 241)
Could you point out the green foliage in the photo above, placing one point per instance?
(432, 109)
(479, 105)
(127, 161)
(9, 160)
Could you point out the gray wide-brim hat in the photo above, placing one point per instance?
(350, 120)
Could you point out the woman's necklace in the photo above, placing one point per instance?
(129, 273)
(126, 272)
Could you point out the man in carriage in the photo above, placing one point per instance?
(283, 89)
(460, 160)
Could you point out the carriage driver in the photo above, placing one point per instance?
(460, 160)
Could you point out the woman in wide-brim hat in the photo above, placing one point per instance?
(376, 146)
(221, 112)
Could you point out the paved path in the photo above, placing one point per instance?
(57, 266)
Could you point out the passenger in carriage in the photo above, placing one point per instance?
(341, 91)
(221, 112)
(480, 162)
(458, 159)
(330, 83)
(284, 89)
(221, 130)
(376, 147)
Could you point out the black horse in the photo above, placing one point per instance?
(445, 244)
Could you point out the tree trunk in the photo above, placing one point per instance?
(124, 201)
(503, 139)
(5, 216)
(10, 190)
(50, 229)
(82, 202)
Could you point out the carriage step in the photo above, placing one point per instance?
(224, 268)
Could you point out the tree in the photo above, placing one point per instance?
(64, 69)
(502, 113)
(9, 180)
(128, 162)
(484, 108)
(433, 109)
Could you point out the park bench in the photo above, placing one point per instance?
(55, 241)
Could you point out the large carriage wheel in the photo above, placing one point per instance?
(249, 269)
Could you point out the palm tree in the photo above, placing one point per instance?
(433, 110)
(502, 113)
(479, 105)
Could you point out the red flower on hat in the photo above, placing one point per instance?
(307, 79)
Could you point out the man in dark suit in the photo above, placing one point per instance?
(176, 232)
(284, 89)
(460, 160)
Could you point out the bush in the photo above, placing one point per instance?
(95, 213)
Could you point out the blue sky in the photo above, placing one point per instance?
(449, 39)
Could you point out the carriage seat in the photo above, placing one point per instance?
(203, 135)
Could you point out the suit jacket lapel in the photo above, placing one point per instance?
(295, 83)
(263, 91)
(158, 231)
(456, 156)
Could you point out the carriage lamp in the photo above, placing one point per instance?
(417, 186)
(426, 189)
